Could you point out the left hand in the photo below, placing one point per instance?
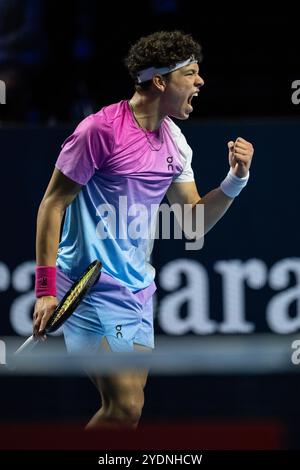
(240, 156)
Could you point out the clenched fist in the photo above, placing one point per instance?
(240, 156)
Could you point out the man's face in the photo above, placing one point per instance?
(182, 85)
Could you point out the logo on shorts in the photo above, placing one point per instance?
(119, 331)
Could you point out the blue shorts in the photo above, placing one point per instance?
(109, 310)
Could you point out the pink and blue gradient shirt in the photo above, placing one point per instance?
(124, 171)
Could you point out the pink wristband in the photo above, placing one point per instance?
(45, 281)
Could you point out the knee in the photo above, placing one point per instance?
(127, 409)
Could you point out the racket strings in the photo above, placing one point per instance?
(73, 295)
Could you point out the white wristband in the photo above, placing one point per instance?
(232, 185)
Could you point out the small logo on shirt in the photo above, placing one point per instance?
(170, 163)
(118, 331)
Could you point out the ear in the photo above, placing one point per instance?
(159, 82)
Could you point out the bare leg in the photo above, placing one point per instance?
(122, 398)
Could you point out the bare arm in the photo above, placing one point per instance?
(216, 202)
(60, 193)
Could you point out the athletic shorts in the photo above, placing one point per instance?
(109, 310)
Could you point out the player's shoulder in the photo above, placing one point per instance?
(178, 136)
(112, 112)
(102, 120)
(174, 129)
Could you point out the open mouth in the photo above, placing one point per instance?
(191, 97)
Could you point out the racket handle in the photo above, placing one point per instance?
(28, 345)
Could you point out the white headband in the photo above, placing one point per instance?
(147, 74)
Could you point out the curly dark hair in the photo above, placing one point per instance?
(161, 49)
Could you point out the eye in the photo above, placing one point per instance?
(191, 73)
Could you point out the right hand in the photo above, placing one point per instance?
(240, 156)
(44, 307)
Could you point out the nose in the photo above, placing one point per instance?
(199, 81)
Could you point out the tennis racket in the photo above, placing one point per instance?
(68, 304)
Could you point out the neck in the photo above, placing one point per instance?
(146, 111)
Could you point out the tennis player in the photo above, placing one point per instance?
(116, 164)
